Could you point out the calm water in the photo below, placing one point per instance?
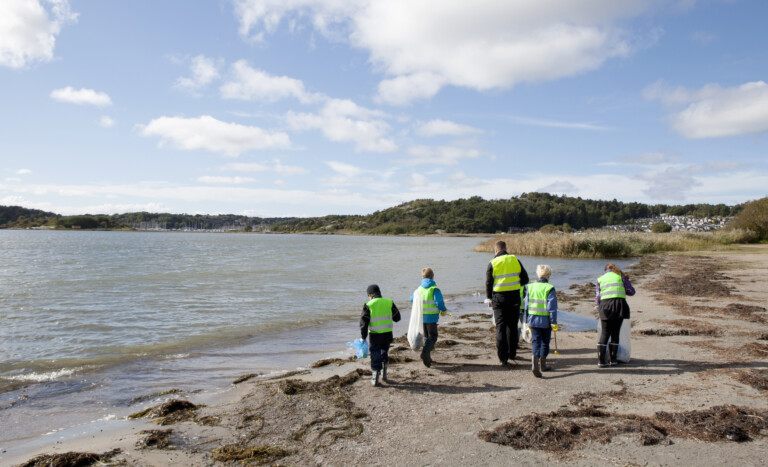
(91, 320)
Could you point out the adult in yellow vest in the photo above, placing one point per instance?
(378, 317)
(503, 279)
(613, 287)
(541, 316)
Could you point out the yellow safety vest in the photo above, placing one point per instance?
(506, 273)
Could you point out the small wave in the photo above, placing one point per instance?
(176, 356)
(44, 376)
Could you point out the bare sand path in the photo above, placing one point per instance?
(693, 394)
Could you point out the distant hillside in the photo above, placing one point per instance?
(16, 216)
(477, 215)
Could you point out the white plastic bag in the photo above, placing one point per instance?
(415, 327)
(526, 334)
(625, 344)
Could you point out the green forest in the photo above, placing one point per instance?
(529, 211)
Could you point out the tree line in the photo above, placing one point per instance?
(529, 211)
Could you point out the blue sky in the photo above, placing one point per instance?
(309, 107)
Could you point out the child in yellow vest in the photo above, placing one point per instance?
(377, 319)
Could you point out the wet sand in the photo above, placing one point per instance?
(694, 392)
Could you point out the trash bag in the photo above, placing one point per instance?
(526, 334)
(360, 347)
(625, 344)
(416, 326)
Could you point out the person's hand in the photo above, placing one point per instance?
(488, 302)
(442, 313)
(554, 327)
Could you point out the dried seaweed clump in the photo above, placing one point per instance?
(616, 395)
(158, 439)
(70, 459)
(569, 429)
(328, 361)
(758, 379)
(169, 412)
(248, 453)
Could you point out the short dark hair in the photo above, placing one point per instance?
(501, 245)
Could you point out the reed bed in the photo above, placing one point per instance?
(604, 244)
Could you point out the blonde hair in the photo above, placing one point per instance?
(614, 268)
(543, 270)
(427, 273)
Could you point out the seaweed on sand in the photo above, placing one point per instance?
(158, 439)
(248, 453)
(695, 277)
(305, 414)
(154, 394)
(245, 378)
(565, 429)
(605, 396)
(758, 379)
(328, 361)
(70, 459)
(686, 327)
(169, 412)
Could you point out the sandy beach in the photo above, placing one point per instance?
(694, 393)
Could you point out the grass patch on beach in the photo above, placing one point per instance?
(605, 244)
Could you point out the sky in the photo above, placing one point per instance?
(312, 107)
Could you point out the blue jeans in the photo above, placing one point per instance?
(540, 338)
(379, 356)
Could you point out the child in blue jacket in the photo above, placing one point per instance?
(434, 307)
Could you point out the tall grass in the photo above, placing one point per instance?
(601, 244)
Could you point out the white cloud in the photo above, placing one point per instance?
(204, 71)
(713, 111)
(81, 96)
(484, 44)
(225, 180)
(351, 175)
(12, 179)
(28, 31)
(250, 84)
(342, 120)
(558, 187)
(445, 127)
(276, 166)
(439, 155)
(404, 89)
(205, 132)
(670, 184)
(106, 122)
(645, 159)
(23, 172)
(558, 124)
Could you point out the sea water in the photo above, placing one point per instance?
(91, 320)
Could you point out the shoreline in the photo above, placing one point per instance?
(681, 361)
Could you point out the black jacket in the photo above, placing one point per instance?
(383, 338)
(489, 278)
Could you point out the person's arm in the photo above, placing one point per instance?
(395, 313)
(552, 306)
(439, 300)
(489, 281)
(523, 275)
(628, 289)
(597, 293)
(365, 319)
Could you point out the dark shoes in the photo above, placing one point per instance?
(613, 350)
(375, 378)
(543, 362)
(426, 359)
(535, 366)
(602, 351)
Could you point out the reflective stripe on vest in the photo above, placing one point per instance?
(611, 286)
(381, 315)
(537, 298)
(429, 306)
(522, 299)
(506, 273)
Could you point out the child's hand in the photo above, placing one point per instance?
(442, 313)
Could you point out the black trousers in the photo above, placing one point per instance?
(609, 328)
(506, 313)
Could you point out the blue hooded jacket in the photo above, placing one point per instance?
(427, 283)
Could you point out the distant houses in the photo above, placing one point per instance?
(678, 223)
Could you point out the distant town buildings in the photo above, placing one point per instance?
(678, 223)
